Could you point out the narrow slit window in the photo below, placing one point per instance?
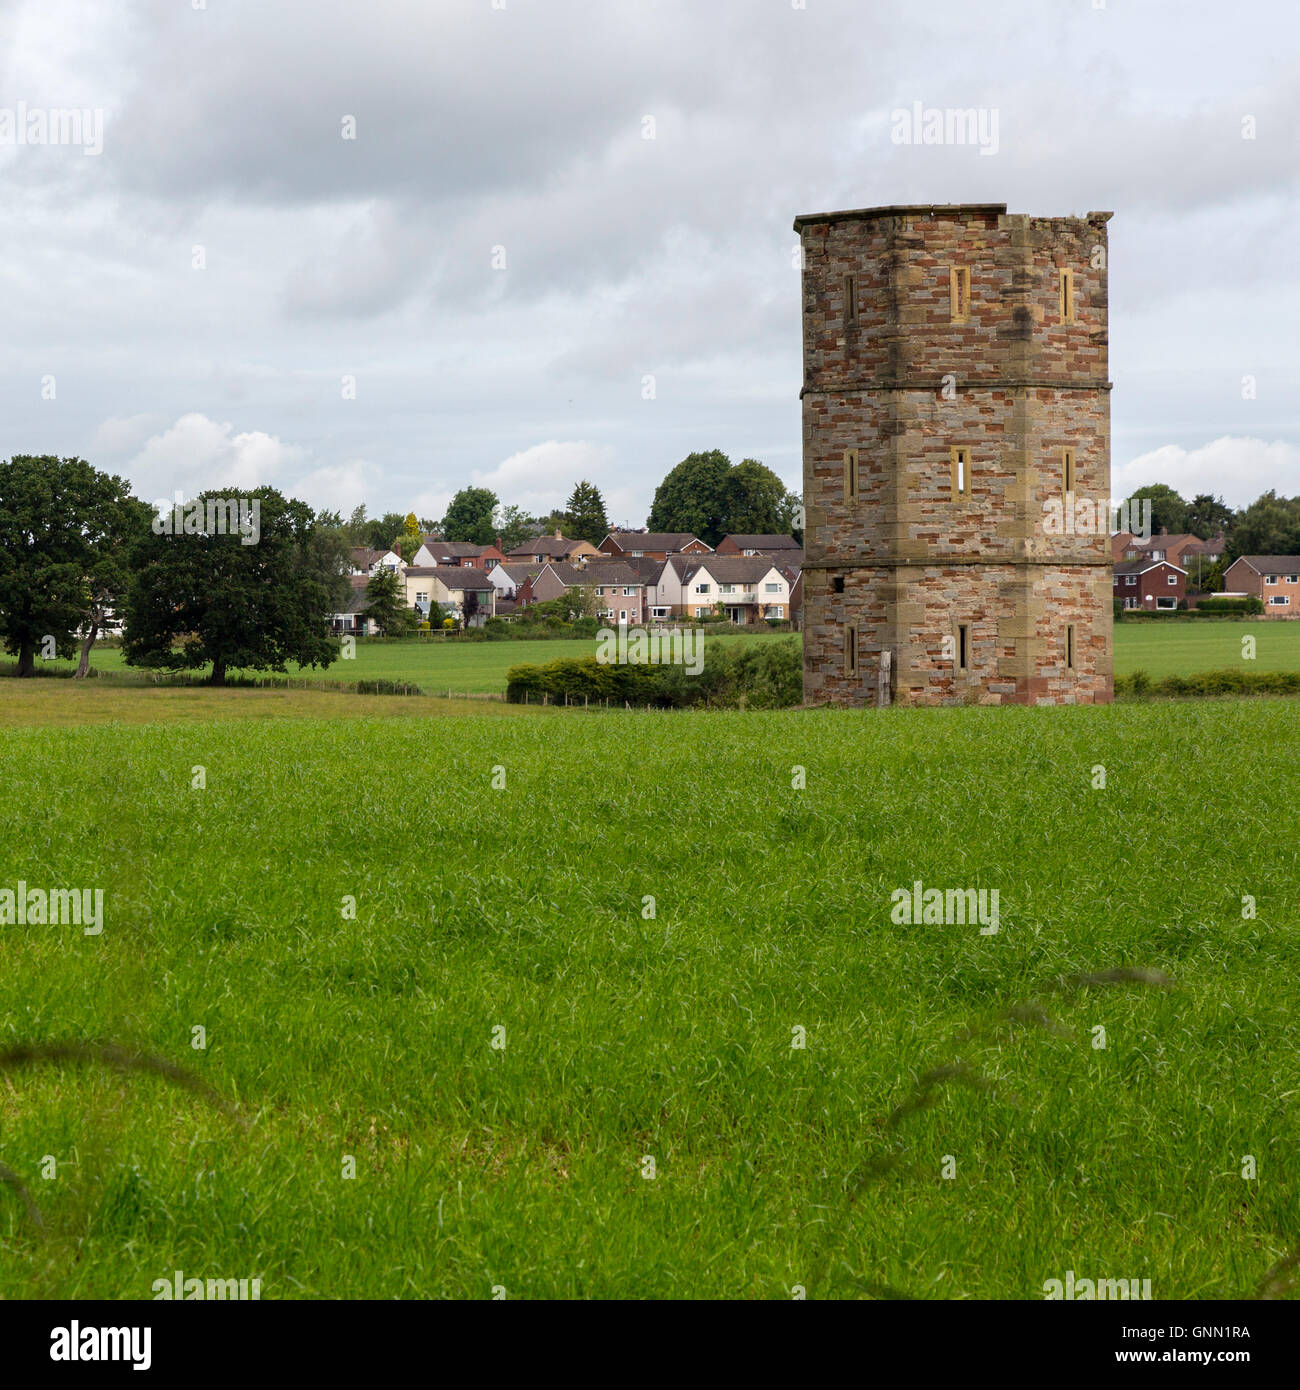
(1069, 647)
(1067, 296)
(963, 647)
(960, 471)
(959, 293)
(850, 651)
(1067, 468)
(850, 475)
(850, 300)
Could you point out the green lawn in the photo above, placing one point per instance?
(1181, 648)
(1165, 648)
(630, 1033)
(435, 665)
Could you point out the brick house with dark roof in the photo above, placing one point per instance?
(459, 553)
(653, 545)
(1149, 585)
(543, 548)
(777, 546)
(1273, 579)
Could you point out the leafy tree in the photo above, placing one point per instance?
(1269, 526)
(1168, 508)
(584, 514)
(1208, 517)
(751, 497)
(66, 531)
(692, 497)
(514, 526)
(198, 598)
(790, 516)
(469, 518)
(386, 604)
(356, 529)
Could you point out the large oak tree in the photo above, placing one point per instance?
(211, 599)
(66, 532)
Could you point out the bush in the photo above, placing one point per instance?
(766, 675)
(1250, 604)
(1208, 683)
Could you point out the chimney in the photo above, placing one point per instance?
(499, 546)
(558, 537)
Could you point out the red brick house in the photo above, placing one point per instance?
(1150, 585)
(1273, 579)
(653, 545)
(455, 554)
(781, 548)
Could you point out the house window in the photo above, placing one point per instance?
(771, 588)
(850, 651)
(421, 597)
(963, 646)
(627, 593)
(1069, 647)
(1165, 602)
(1130, 603)
(702, 588)
(1173, 579)
(1067, 296)
(726, 588)
(1131, 580)
(1293, 579)
(850, 475)
(960, 471)
(701, 612)
(959, 293)
(1278, 601)
(850, 301)
(600, 591)
(1067, 468)
(776, 610)
(1270, 579)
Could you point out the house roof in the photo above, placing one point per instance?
(556, 546)
(667, 541)
(1142, 566)
(609, 572)
(726, 569)
(457, 550)
(519, 574)
(1271, 564)
(453, 576)
(765, 543)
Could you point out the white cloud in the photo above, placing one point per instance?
(197, 453)
(1236, 469)
(543, 476)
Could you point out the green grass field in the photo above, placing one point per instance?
(1183, 648)
(627, 1035)
(432, 665)
(1186, 648)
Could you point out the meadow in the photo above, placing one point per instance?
(1159, 648)
(611, 956)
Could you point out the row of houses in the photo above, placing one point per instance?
(635, 577)
(1154, 575)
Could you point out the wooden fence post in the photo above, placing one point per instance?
(884, 679)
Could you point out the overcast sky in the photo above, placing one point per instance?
(518, 127)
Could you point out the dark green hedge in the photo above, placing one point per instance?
(762, 675)
(1226, 682)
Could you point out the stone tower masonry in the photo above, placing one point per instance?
(956, 445)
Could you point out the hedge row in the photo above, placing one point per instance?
(1226, 682)
(764, 675)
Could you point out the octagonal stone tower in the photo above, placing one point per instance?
(956, 445)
